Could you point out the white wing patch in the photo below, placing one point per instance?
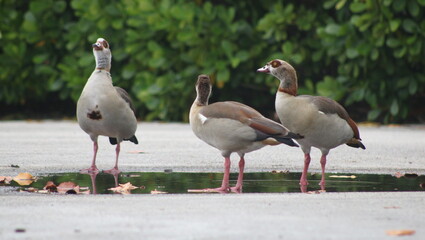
(321, 112)
(202, 118)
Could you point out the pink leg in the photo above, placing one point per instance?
(93, 182)
(323, 163)
(92, 168)
(114, 171)
(303, 180)
(224, 184)
(239, 183)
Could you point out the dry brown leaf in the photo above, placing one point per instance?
(402, 232)
(398, 175)
(158, 192)
(392, 207)
(128, 186)
(68, 187)
(123, 188)
(51, 187)
(343, 176)
(24, 179)
(316, 192)
(5, 179)
(136, 152)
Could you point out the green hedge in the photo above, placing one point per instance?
(368, 54)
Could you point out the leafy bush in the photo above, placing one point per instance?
(367, 53)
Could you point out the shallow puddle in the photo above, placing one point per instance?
(263, 182)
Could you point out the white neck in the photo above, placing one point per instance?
(103, 60)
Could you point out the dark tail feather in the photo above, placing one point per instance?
(286, 140)
(294, 135)
(355, 143)
(113, 141)
(133, 139)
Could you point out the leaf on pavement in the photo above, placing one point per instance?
(5, 179)
(51, 187)
(158, 192)
(24, 179)
(398, 175)
(123, 188)
(343, 176)
(402, 232)
(392, 207)
(69, 188)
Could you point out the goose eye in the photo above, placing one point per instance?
(276, 64)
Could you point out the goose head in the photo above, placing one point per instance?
(284, 72)
(102, 54)
(203, 89)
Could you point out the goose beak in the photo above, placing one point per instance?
(97, 46)
(264, 69)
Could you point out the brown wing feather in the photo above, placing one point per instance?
(124, 95)
(329, 106)
(244, 114)
(231, 110)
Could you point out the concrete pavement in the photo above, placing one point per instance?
(60, 146)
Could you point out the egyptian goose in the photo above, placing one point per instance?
(233, 127)
(103, 109)
(323, 122)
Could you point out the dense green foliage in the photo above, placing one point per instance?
(367, 54)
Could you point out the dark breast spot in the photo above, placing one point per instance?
(95, 115)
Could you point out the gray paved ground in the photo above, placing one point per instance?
(49, 146)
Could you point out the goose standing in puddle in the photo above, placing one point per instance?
(105, 110)
(233, 127)
(323, 122)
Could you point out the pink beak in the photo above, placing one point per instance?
(264, 69)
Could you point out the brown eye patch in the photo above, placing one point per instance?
(105, 44)
(276, 63)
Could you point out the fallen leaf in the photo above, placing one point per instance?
(123, 188)
(68, 187)
(392, 207)
(24, 179)
(403, 232)
(398, 175)
(343, 176)
(5, 179)
(51, 187)
(158, 192)
(136, 152)
(316, 192)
